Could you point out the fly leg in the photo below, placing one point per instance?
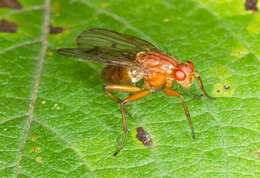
(198, 77)
(109, 88)
(115, 98)
(124, 89)
(172, 92)
(137, 94)
(130, 98)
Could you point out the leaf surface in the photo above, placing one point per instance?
(56, 121)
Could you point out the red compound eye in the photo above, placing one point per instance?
(179, 75)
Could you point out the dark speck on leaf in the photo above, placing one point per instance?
(116, 153)
(13, 4)
(144, 136)
(226, 87)
(114, 45)
(218, 91)
(251, 5)
(7, 26)
(55, 30)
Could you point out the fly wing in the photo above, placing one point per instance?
(108, 47)
(102, 55)
(103, 38)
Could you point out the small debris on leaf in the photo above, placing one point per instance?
(7, 26)
(226, 87)
(55, 30)
(144, 136)
(13, 4)
(116, 152)
(251, 5)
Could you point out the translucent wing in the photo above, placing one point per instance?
(109, 47)
(102, 55)
(103, 38)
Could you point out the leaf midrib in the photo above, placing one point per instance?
(36, 84)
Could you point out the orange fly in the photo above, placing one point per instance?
(130, 61)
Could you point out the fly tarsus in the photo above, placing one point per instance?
(201, 86)
(121, 142)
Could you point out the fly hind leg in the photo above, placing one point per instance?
(115, 98)
(135, 94)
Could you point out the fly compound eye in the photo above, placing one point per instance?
(179, 75)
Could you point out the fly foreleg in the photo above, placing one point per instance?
(172, 92)
(202, 88)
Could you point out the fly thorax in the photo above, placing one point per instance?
(167, 68)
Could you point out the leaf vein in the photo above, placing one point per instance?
(36, 84)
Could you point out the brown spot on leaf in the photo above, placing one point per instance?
(144, 136)
(55, 30)
(13, 4)
(251, 5)
(36, 149)
(7, 26)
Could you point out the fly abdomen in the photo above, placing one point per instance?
(116, 75)
(121, 75)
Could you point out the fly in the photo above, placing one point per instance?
(130, 60)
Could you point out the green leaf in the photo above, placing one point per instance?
(56, 121)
